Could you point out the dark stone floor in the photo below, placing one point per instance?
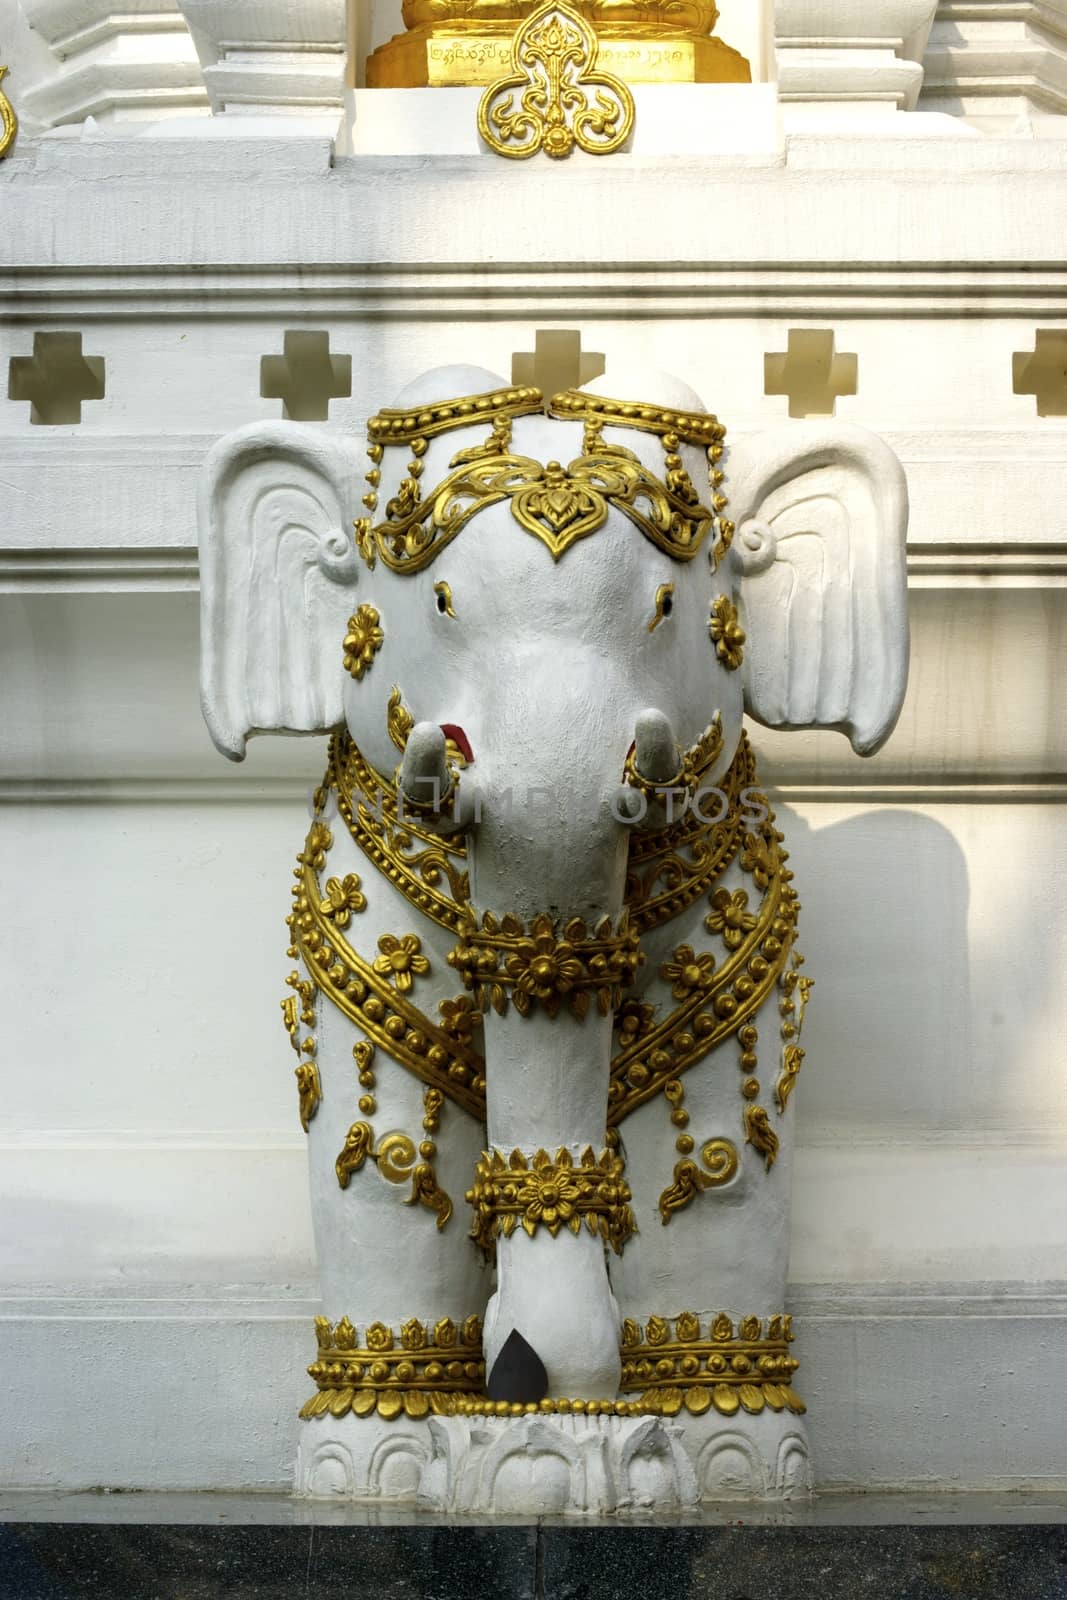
(112, 1547)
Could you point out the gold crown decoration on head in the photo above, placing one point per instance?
(558, 505)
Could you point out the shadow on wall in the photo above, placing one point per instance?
(884, 931)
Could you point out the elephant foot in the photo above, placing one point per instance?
(555, 1293)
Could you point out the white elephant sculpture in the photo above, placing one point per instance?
(547, 998)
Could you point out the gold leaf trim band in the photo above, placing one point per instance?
(691, 427)
(466, 411)
(414, 1372)
(552, 1193)
(729, 1369)
(502, 960)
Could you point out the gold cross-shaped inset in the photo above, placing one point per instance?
(1042, 372)
(810, 373)
(557, 362)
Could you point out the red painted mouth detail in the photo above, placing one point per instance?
(452, 731)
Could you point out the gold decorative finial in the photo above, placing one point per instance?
(556, 362)
(553, 66)
(9, 123)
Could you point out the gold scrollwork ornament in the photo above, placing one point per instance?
(9, 122)
(553, 66)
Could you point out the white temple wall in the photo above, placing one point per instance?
(154, 1230)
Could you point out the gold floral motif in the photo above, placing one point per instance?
(554, 65)
(319, 840)
(760, 858)
(459, 1017)
(9, 122)
(730, 916)
(409, 1373)
(362, 641)
(343, 896)
(727, 634)
(721, 1160)
(401, 960)
(633, 1018)
(760, 1135)
(688, 972)
(553, 1193)
(501, 960)
(750, 1369)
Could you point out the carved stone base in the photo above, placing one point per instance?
(553, 1464)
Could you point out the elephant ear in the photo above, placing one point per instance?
(822, 516)
(277, 561)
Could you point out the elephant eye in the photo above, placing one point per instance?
(444, 599)
(664, 605)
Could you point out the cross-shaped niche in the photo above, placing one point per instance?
(1042, 372)
(306, 377)
(810, 373)
(56, 379)
(556, 362)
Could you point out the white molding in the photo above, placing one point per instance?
(429, 292)
(998, 61)
(169, 570)
(98, 571)
(388, 211)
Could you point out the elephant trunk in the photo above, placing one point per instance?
(551, 953)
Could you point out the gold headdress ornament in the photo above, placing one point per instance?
(558, 505)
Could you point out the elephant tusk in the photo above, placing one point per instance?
(657, 756)
(425, 780)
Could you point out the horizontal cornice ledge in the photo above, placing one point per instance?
(431, 291)
(78, 203)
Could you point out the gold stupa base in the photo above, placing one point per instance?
(452, 56)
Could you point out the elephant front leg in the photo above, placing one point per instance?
(549, 1195)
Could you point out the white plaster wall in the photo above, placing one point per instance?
(154, 1227)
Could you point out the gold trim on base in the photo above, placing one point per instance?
(747, 1368)
(454, 55)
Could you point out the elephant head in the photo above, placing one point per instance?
(545, 609)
